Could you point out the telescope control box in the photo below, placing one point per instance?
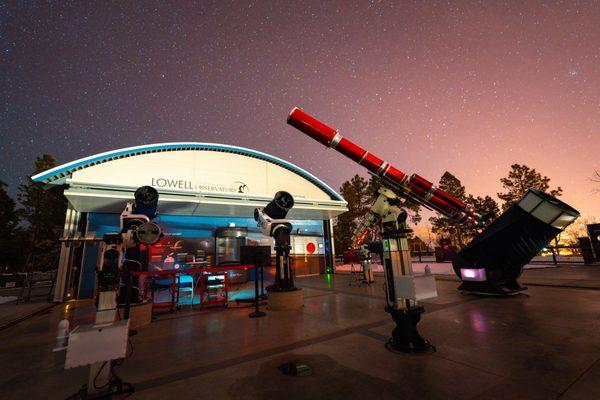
(415, 287)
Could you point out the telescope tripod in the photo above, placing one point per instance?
(284, 280)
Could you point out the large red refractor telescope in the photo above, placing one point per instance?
(494, 259)
(415, 187)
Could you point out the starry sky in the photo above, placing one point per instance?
(468, 87)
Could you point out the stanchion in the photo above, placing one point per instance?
(256, 313)
(258, 256)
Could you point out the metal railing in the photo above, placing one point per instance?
(559, 255)
(551, 255)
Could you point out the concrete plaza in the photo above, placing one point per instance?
(542, 345)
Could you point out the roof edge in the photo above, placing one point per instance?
(59, 174)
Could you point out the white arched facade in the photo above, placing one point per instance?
(209, 182)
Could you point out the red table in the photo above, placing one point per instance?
(173, 274)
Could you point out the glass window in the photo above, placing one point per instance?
(529, 202)
(563, 221)
(546, 212)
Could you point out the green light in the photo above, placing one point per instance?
(329, 279)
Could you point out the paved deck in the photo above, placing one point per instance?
(543, 345)
(12, 313)
(576, 276)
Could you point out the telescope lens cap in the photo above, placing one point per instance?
(284, 200)
(146, 195)
(280, 205)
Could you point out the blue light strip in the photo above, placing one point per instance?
(57, 175)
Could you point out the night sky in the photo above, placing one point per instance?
(428, 86)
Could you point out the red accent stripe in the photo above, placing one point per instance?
(471, 220)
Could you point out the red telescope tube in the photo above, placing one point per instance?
(416, 188)
(422, 184)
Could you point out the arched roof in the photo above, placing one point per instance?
(59, 174)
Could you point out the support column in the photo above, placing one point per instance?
(64, 262)
(329, 246)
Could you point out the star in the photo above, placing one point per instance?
(428, 87)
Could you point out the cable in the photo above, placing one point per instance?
(133, 261)
(97, 375)
(131, 347)
(116, 380)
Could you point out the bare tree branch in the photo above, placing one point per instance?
(596, 179)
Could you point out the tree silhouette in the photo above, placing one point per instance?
(9, 220)
(459, 232)
(442, 225)
(596, 179)
(44, 210)
(484, 206)
(520, 179)
(356, 192)
(360, 195)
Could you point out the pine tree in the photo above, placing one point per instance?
(520, 179)
(356, 193)
(9, 218)
(9, 221)
(360, 195)
(44, 211)
(445, 226)
(484, 206)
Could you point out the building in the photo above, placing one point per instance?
(417, 245)
(202, 187)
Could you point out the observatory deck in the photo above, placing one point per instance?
(542, 345)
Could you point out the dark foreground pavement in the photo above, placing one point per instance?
(543, 345)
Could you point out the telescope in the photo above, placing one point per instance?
(120, 252)
(272, 221)
(495, 258)
(146, 201)
(135, 221)
(415, 188)
(272, 216)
